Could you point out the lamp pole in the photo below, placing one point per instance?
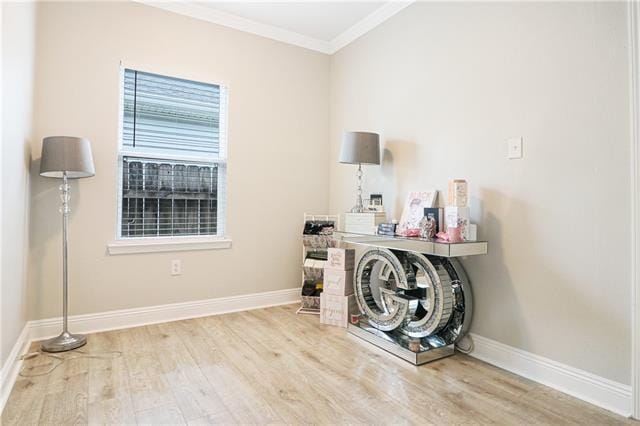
(64, 188)
(65, 341)
(359, 208)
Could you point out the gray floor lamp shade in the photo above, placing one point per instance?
(68, 154)
(65, 157)
(360, 148)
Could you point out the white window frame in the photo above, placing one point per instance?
(129, 245)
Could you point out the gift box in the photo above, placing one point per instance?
(338, 282)
(338, 258)
(335, 310)
(458, 193)
(473, 232)
(458, 217)
(363, 223)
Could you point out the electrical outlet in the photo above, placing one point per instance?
(514, 148)
(176, 267)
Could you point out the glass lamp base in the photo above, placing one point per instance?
(64, 342)
(359, 207)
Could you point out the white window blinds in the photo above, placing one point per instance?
(171, 115)
(173, 157)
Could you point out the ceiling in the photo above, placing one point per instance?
(321, 20)
(324, 26)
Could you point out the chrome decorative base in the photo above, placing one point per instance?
(64, 342)
(431, 349)
(412, 305)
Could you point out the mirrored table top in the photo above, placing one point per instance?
(415, 244)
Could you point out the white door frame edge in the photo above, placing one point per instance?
(634, 82)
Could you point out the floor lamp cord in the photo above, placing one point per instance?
(467, 346)
(58, 360)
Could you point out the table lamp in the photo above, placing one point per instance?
(360, 148)
(65, 157)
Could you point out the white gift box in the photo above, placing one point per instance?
(335, 310)
(458, 217)
(338, 258)
(458, 193)
(363, 223)
(337, 282)
(473, 232)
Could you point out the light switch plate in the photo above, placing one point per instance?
(514, 148)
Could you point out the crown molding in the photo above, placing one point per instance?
(368, 23)
(204, 13)
(197, 11)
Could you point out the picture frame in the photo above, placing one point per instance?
(374, 203)
(413, 211)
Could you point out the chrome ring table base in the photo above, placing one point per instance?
(397, 344)
(406, 297)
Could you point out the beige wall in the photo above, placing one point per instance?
(18, 37)
(277, 148)
(446, 85)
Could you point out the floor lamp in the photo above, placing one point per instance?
(65, 157)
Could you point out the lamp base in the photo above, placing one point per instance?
(359, 208)
(64, 342)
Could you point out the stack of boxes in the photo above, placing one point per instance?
(457, 215)
(337, 301)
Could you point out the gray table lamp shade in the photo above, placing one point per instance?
(66, 154)
(360, 148)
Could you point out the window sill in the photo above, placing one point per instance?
(158, 245)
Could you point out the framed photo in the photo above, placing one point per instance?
(437, 214)
(374, 203)
(413, 211)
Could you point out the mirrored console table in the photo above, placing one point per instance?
(414, 296)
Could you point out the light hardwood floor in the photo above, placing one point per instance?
(272, 366)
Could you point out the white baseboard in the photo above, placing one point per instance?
(581, 384)
(126, 318)
(12, 365)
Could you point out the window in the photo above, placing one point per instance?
(172, 157)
